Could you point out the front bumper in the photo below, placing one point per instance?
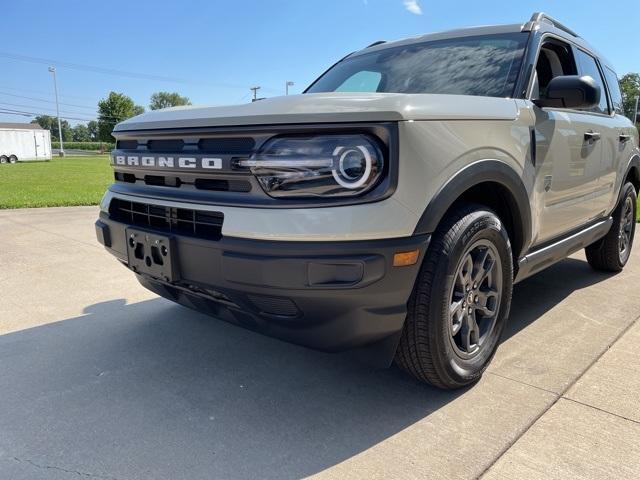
(325, 295)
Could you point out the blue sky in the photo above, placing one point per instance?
(213, 51)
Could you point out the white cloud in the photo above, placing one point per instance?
(412, 6)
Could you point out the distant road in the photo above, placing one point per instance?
(75, 153)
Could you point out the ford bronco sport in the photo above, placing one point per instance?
(393, 205)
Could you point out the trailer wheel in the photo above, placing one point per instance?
(13, 159)
(3, 159)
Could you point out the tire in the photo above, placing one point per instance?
(611, 253)
(429, 348)
(13, 159)
(3, 159)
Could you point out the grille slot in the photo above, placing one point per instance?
(182, 221)
(222, 185)
(124, 177)
(127, 144)
(233, 146)
(170, 145)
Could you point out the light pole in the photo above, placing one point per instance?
(287, 85)
(55, 87)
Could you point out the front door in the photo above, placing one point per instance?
(568, 151)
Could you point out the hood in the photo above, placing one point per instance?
(331, 107)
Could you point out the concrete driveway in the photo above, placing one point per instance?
(101, 379)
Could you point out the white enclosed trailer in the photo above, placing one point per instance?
(21, 142)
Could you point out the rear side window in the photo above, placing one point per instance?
(614, 90)
(588, 66)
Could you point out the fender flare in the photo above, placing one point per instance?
(633, 163)
(480, 172)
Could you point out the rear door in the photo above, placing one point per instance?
(608, 127)
(619, 147)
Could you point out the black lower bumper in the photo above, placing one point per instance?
(325, 295)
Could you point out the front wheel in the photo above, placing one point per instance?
(611, 253)
(13, 159)
(460, 302)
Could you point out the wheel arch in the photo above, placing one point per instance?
(492, 183)
(632, 173)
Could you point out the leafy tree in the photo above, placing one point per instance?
(112, 110)
(81, 133)
(51, 123)
(630, 85)
(92, 128)
(167, 99)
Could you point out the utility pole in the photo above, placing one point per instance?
(55, 87)
(287, 85)
(635, 114)
(255, 93)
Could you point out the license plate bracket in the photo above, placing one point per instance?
(152, 254)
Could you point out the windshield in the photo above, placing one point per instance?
(484, 65)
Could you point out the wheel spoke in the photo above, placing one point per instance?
(487, 302)
(483, 267)
(470, 333)
(464, 274)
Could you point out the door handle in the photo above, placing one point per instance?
(591, 136)
(624, 137)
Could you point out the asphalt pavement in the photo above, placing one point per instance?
(101, 379)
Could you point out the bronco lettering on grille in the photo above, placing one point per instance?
(168, 162)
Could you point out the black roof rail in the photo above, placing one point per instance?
(540, 17)
(379, 42)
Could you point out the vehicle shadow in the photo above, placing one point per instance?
(538, 294)
(154, 390)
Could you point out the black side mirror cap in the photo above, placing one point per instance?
(571, 91)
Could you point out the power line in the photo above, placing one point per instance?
(47, 101)
(11, 111)
(91, 68)
(38, 107)
(40, 92)
(121, 73)
(98, 116)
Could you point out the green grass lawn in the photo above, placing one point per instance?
(60, 182)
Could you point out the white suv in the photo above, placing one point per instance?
(393, 205)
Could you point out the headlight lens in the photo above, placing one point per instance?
(319, 165)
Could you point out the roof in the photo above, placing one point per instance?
(21, 126)
(539, 22)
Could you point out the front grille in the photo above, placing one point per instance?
(182, 221)
(206, 145)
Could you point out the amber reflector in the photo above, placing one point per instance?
(404, 259)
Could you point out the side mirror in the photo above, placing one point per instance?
(571, 91)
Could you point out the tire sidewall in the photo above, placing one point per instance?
(629, 191)
(481, 224)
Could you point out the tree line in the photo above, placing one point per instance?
(116, 108)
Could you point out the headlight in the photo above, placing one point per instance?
(322, 165)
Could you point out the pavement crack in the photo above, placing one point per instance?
(561, 395)
(65, 470)
(601, 410)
